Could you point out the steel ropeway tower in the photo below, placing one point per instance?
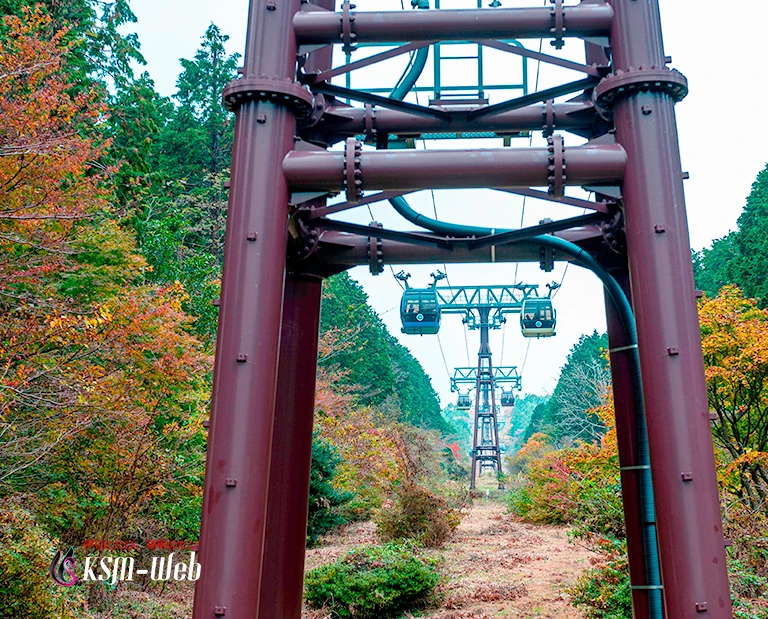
(283, 238)
(482, 308)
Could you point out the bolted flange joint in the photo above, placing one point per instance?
(643, 79)
(282, 92)
(371, 133)
(348, 36)
(353, 181)
(558, 23)
(614, 234)
(548, 119)
(556, 169)
(375, 251)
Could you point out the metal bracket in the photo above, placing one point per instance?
(546, 259)
(303, 240)
(352, 173)
(375, 251)
(614, 234)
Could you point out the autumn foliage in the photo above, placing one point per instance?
(735, 345)
(102, 388)
(49, 151)
(580, 485)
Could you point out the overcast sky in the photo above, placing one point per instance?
(722, 138)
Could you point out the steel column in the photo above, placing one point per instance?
(689, 525)
(585, 20)
(475, 418)
(245, 371)
(592, 164)
(627, 439)
(286, 529)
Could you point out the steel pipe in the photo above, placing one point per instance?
(454, 169)
(584, 20)
(691, 543)
(286, 530)
(247, 345)
(285, 535)
(340, 249)
(348, 121)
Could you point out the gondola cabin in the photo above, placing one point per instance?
(507, 397)
(463, 403)
(420, 311)
(537, 318)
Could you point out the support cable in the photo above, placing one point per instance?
(445, 363)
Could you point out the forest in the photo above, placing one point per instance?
(113, 205)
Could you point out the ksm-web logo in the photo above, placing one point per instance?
(113, 569)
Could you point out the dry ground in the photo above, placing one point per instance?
(495, 567)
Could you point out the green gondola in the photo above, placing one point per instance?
(420, 311)
(537, 317)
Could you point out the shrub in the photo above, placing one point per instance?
(603, 592)
(324, 499)
(373, 582)
(417, 514)
(748, 560)
(25, 554)
(519, 502)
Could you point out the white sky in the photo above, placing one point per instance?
(717, 50)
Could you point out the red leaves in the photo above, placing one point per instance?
(48, 146)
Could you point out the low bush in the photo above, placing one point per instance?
(603, 591)
(747, 560)
(372, 582)
(417, 514)
(519, 502)
(26, 589)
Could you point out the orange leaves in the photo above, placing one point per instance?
(48, 146)
(735, 345)
(734, 336)
(371, 458)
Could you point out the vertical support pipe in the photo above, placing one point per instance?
(287, 509)
(689, 523)
(286, 529)
(627, 439)
(495, 427)
(475, 423)
(245, 371)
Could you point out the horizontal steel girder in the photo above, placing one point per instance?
(339, 249)
(349, 121)
(459, 299)
(585, 20)
(592, 164)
